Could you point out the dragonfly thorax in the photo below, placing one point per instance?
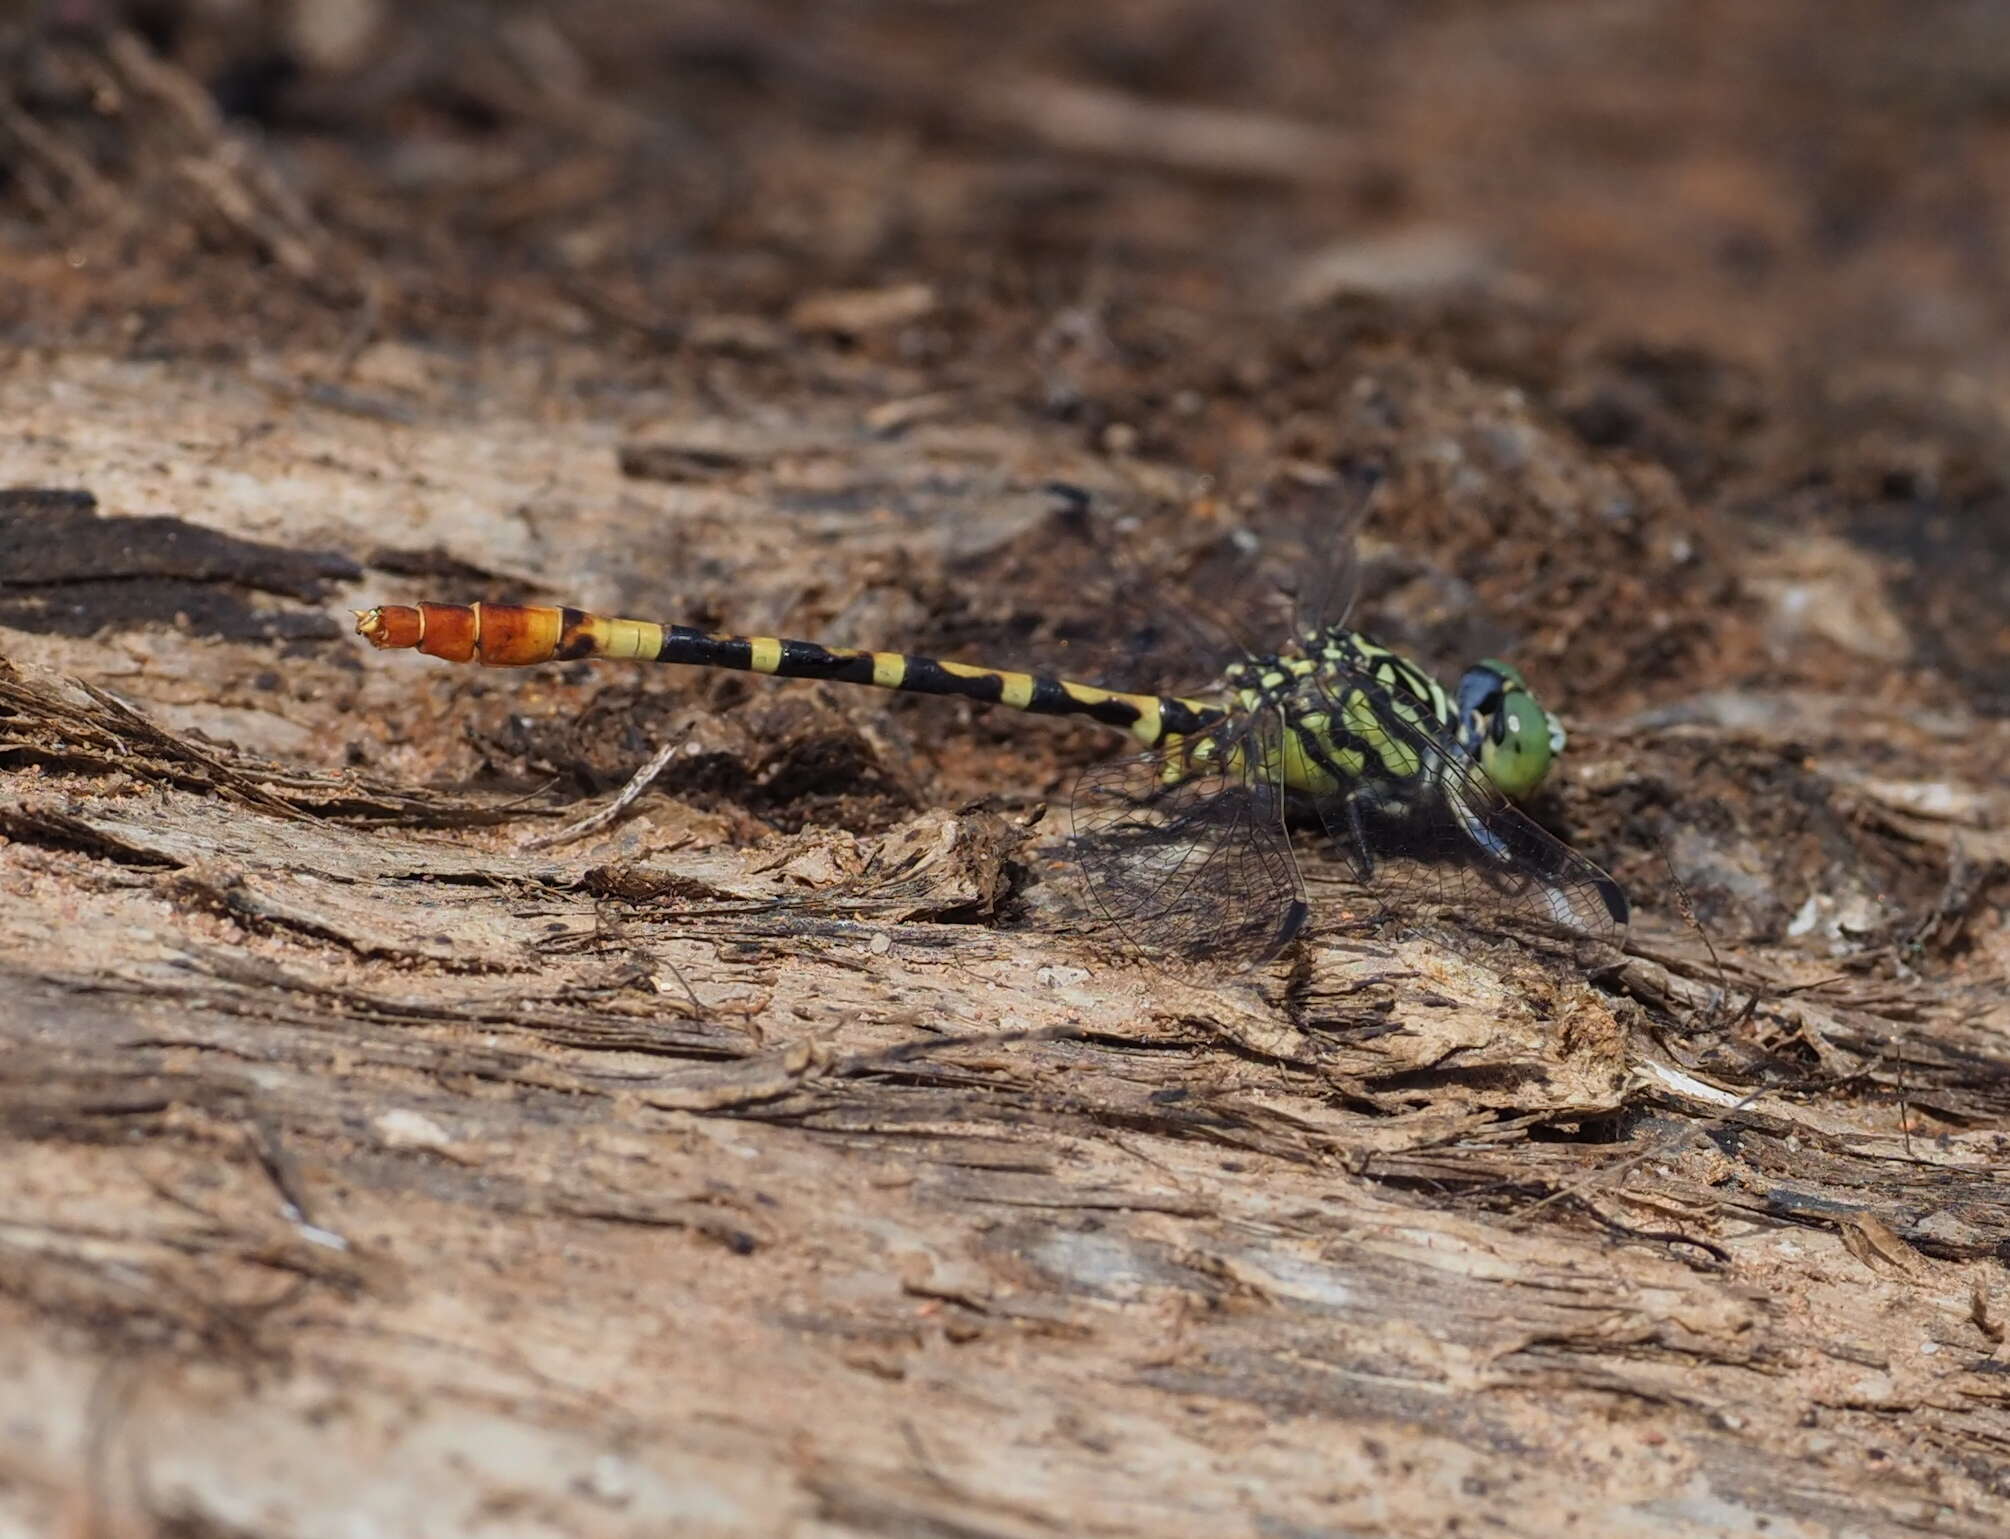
(1340, 714)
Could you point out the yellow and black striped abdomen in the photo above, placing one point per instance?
(515, 636)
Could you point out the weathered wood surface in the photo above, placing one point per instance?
(360, 1162)
(794, 1156)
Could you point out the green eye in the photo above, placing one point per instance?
(1517, 752)
(1507, 729)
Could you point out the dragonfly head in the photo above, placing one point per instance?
(1504, 727)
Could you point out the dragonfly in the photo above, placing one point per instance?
(1188, 846)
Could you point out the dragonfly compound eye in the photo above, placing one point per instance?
(1505, 728)
(1517, 753)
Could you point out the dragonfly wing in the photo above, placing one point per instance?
(1184, 848)
(1440, 833)
(1163, 599)
(1316, 532)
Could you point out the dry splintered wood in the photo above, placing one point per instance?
(594, 1100)
(319, 1086)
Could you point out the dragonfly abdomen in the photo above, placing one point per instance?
(521, 635)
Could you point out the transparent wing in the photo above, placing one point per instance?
(1317, 531)
(1185, 850)
(1149, 596)
(1438, 832)
(1085, 594)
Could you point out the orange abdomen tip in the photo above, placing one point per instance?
(501, 635)
(391, 625)
(438, 630)
(511, 635)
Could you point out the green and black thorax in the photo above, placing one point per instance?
(1350, 712)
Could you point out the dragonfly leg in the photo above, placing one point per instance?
(1480, 834)
(1358, 855)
